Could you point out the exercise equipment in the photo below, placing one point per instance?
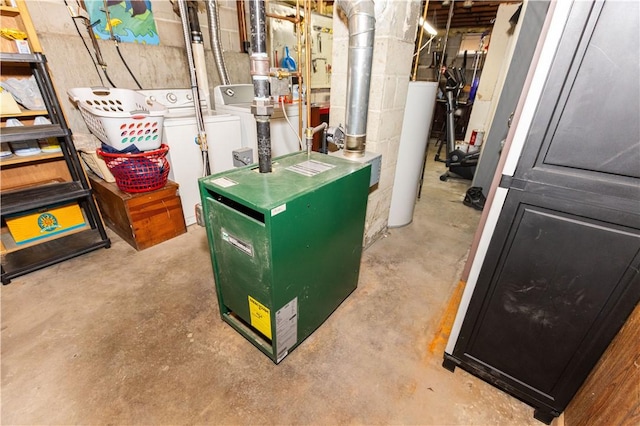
(459, 163)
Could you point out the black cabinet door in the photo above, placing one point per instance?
(561, 272)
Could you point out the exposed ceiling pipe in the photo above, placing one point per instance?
(242, 26)
(197, 46)
(216, 44)
(446, 39)
(414, 75)
(261, 107)
(362, 22)
(202, 136)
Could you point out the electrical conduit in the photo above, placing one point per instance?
(202, 137)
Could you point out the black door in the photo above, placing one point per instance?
(561, 272)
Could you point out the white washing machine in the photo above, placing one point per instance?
(180, 133)
(236, 99)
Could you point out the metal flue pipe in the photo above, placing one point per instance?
(261, 107)
(216, 45)
(362, 22)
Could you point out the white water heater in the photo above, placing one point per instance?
(418, 115)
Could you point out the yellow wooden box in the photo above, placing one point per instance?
(45, 223)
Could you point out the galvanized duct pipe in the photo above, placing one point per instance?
(262, 108)
(216, 44)
(362, 22)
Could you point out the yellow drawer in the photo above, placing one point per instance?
(44, 223)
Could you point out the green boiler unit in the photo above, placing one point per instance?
(285, 245)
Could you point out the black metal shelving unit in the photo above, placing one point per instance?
(22, 260)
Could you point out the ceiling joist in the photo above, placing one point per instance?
(481, 14)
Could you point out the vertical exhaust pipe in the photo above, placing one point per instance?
(362, 22)
(261, 107)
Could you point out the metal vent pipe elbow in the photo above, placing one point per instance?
(362, 22)
(216, 44)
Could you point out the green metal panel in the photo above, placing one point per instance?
(289, 241)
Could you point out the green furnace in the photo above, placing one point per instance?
(285, 245)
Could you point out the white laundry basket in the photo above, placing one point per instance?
(121, 117)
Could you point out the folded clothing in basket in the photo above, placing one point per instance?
(131, 149)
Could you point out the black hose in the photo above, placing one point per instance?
(104, 70)
(127, 66)
(205, 160)
(116, 40)
(73, 19)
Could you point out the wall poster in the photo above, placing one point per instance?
(130, 21)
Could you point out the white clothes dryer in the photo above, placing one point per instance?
(236, 99)
(180, 133)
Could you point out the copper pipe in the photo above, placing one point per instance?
(299, 73)
(242, 24)
(424, 17)
(307, 42)
(297, 21)
(285, 18)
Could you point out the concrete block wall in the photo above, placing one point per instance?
(155, 67)
(396, 29)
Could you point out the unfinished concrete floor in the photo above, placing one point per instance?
(124, 337)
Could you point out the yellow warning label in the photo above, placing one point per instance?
(260, 317)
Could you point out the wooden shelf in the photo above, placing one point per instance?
(9, 11)
(47, 253)
(26, 133)
(15, 159)
(20, 58)
(17, 201)
(25, 113)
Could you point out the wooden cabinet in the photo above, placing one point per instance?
(34, 184)
(610, 395)
(143, 219)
